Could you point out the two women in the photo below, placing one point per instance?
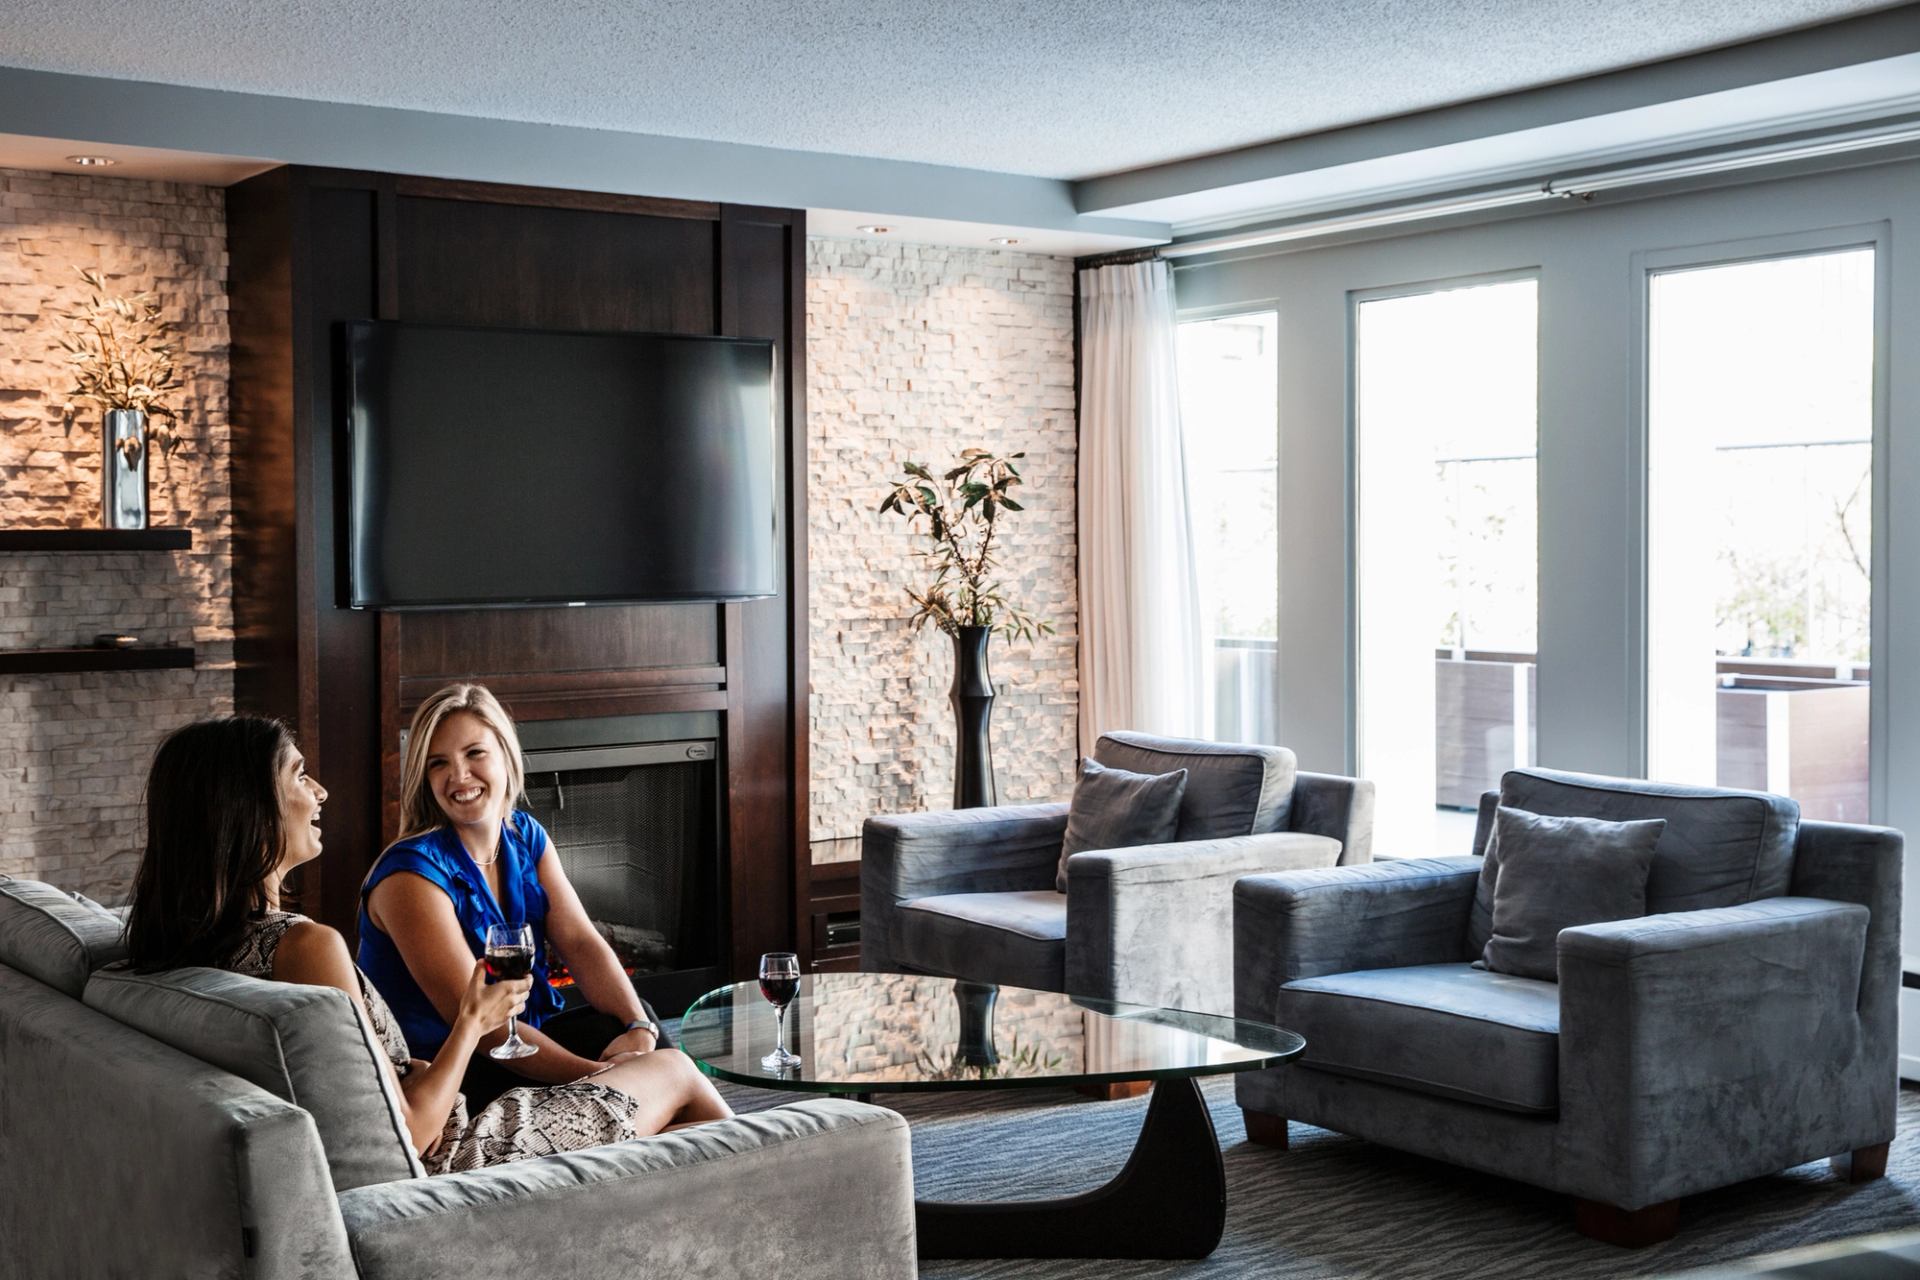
(230, 811)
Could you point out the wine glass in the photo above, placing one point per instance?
(780, 983)
(509, 956)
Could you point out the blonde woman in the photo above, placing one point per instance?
(466, 859)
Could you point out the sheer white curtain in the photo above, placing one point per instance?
(1140, 653)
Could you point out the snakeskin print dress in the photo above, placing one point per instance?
(519, 1124)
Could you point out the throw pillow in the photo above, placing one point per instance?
(1557, 873)
(1114, 809)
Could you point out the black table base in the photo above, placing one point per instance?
(1169, 1201)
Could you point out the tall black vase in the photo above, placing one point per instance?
(972, 699)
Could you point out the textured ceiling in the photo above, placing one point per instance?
(1059, 88)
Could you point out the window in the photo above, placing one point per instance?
(1229, 412)
(1446, 561)
(1759, 526)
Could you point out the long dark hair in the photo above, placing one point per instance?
(213, 839)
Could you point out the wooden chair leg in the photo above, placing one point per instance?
(1628, 1228)
(1266, 1129)
(1864, 1164)
(1113, 1092)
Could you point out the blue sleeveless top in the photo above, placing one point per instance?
(439, 858)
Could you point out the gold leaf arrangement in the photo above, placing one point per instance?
(123, 355)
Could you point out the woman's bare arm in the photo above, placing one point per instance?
(419, 917)
(315, 955)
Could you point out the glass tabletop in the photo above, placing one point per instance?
(865, 1032)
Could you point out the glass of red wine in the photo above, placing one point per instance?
(510, 956)
(780, 983)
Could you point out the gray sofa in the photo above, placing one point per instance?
(1745, 1025)
(970, 893)
(134, 1145)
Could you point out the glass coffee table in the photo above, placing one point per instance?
(858, 1034)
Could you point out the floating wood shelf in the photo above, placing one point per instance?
(95, 539)
(15, 662)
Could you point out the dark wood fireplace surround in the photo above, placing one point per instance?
(313, 247)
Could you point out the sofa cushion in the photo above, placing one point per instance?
(307, 1045)
(1014, 939)
(1551, 874)
(1115, 809)
(1232, 790)
(55, 936)
(1449, 1030)
(1721, 848)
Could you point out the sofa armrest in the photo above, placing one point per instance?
(922, 855)
(1699, 1048)
(1153, 924)
(1328, 804)
(831, 1195)
(1303, 924)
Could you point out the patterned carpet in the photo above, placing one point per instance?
(1336, 1206)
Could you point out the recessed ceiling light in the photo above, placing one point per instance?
(1006, 240)
(92, 161)
(875, 230)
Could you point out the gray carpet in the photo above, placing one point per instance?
(1337, 1206)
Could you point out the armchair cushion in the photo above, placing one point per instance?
(1721, 848)
(55, 936)
(1018, 939)
(1116, 809)
(1551, 874)
(1448, 1030)
(1232, 790)
(307, 1045)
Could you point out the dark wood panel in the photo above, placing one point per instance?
(514, 266)
(762, 296)
(476, 643)
(552, 198)
(266, 604)
(575, 684)
(339, 274)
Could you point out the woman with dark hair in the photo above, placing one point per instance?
(230, 811)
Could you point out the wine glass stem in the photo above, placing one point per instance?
(513, 1030)
(780, 1031)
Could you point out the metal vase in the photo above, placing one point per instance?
(123, 469)
(972, 698)
(974, 1046)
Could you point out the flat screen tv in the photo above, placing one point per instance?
(499, 467)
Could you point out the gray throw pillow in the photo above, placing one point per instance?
(1558, 873)
(1114, 809)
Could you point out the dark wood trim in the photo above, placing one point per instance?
(95, 539)
(392, 720)
(537, 686)
(550, 198)
(1265, 1128)
(16, 662)
(1628, 1228)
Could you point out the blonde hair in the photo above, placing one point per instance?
(419, 811)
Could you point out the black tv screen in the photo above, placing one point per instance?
(510, 467)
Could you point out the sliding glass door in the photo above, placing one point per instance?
(1759, 526)
(1446, 553)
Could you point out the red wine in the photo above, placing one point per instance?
(509, 962)
(780, 991)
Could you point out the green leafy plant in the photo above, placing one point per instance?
(961, 511)
(1019, 1060)
(123, 355)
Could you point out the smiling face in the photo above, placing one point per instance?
(300, 799)
(467, 771)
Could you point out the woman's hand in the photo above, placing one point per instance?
(637, 1041)
(486, 1006)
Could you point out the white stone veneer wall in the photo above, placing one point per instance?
(74, 749)
(916, 352)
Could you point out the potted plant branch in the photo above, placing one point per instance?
(123, 355)
(959, 513)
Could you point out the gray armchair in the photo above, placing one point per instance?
(1745, 1025)
(970, 893)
